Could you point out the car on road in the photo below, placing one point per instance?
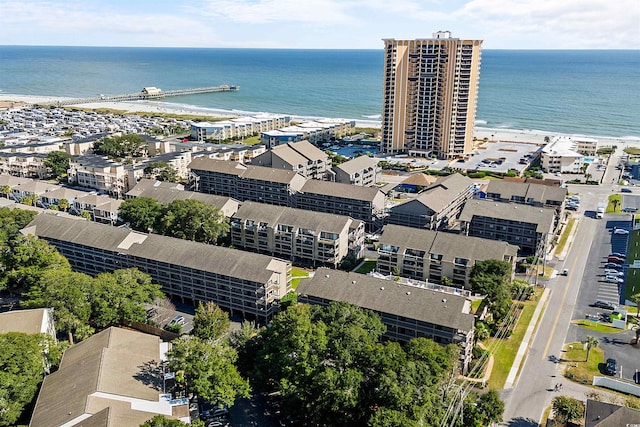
(613, 279)
(620, 231)
(604, 304)
(613, 265)
(626, 190)
(615, 259)
(611, 367)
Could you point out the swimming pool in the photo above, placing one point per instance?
(588, 159)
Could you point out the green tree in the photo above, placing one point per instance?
(29, 199)
(142, 213)
(209, 369)
(210, 322)
(64, 204)
(491, 278)
(58, 162)
(636, 298)
(161, 171)
(566, 409)
(193, 220)
(67, 292)
(6, 190)
(128, 145)
(246, 340)
(11, 222)
(590, 342)
(162, 421)
(483, 410)
(119, 297)
(23, 360)
(86, 215)
(25, 260)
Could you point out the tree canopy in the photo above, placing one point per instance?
(492, 279)
(119, 146)
(23, 360)
(332, 368)
(12, 221)
(210, 322)
(82, 303)
(184, 219)
(162, 171)
(58, 162)
(209, 369)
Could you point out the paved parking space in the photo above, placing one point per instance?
(630, 201)
(163, 314)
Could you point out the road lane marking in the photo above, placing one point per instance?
(564, 296)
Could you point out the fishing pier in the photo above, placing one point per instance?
(145, 94)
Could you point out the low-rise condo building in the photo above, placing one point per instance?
(304, 237)
(407, 311)
(364, 203)
(243, 283)
(567, 154)
(98, 173)
(436, 207)
(528, 227)
(432, 256)
(301, 157)
(363, 171)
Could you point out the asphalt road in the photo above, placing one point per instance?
(570, 298)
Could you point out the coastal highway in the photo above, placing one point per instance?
(533, 391)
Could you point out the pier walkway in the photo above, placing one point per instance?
(144, 94)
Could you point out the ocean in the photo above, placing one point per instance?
(587, 92)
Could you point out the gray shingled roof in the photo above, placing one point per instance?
(274, 215)
(200, 256)
(270, 174)
(12, 181)
(214, 165)
(542, 217)
(308, 150)
(539, 192)
(449, 245)
(357, 164)
(106, 362)
(444, 191)
(386, 296)
(337, 189)
(25, 321)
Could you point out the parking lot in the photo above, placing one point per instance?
(500, 157)
(615, 345)
(162, 314)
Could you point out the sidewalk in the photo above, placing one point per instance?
(567, 245)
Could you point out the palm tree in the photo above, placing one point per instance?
(636, 298)
(590, 342)
(29, 199)
(64, 204)
(6, 190)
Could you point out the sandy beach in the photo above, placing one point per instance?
(503, 135)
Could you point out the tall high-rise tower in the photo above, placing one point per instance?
(429, 96)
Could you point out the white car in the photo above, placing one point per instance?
(613, 279)
(613, 273)
(620, 231)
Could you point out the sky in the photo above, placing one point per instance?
(320, 24)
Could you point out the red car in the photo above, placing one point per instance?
(615, 259)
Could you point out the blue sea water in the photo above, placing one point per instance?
(590, 92)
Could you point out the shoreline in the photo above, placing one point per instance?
(493, 134)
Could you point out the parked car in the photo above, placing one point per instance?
(613, 265)
(613, 279)
(629, 209)
(178, 319)
(618, 254)
(604, 304)
(626, 190)
(620, 231)
(611, 367)
(612, 272)
(615, 259)
(571, 207)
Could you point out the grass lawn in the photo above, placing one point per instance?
(598, 327)
(253, 140)
(632, 151)
(366, 267)
(632, 279)
(578, 368)
(614, 207)
(565, 236)
(475, 304)
(297, 274)
(506, 349)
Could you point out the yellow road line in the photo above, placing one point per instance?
(564, 296)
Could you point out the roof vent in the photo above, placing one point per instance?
(408, 293)
(327, 276)
(382, 288)
(353, 282)
(444, 300)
